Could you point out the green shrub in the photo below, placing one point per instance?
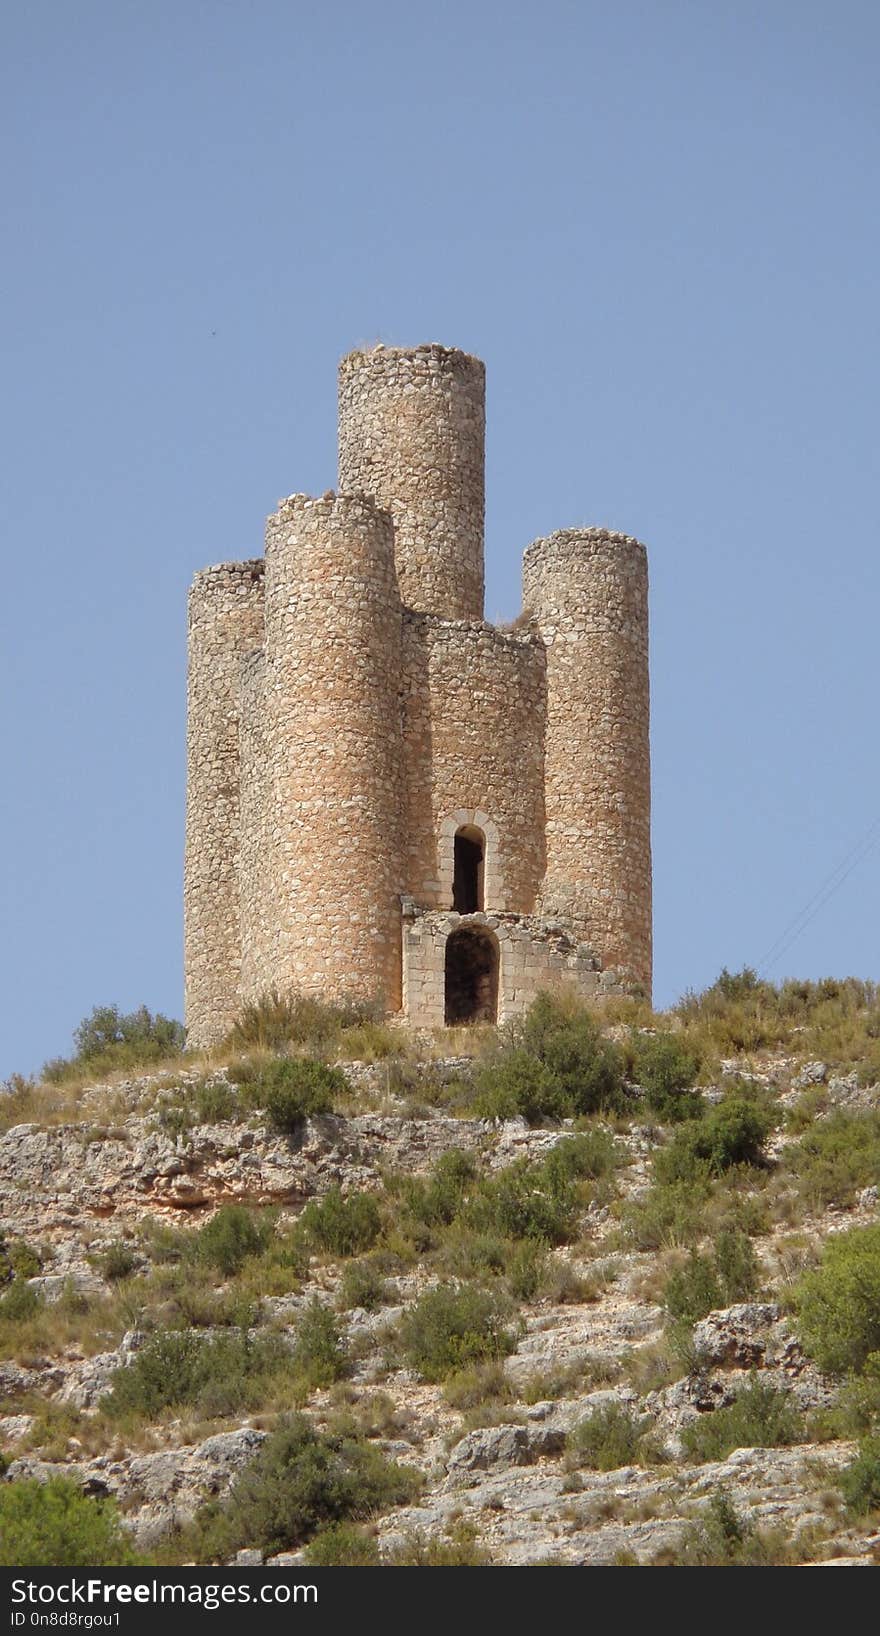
(276, 1020)
(175, 1118)
(362, 1285)
(216, 1374)
(342, 1226)
(294, 1089)
(705, 1282)
(857, 1408)
(469, 1254)
(608, 1438)
(300, 1481)
(20, 1302)
(860, 1480)
(460, 1550)
(164, 1374)
(516, 1084)
(693, 1289)
(556, 1065)
(230, 1237)
(117, 1262)
(319, 1357)
(761, 1416)
(438, 1200)
(839, 1303)
(183, 1298)
(667, 1216)
(450, 1328)
(527, 1269)
(591, 1153)
(737, 1264)
(55, 1525)
(836, 1157)
(109, 1039)
(215, 1101)
(666, 1068)
(732, 1133)
(835, 1019)
(370, 1042)
(18, 1259)
(343, 1545)
(479, 1384)
(723, 1539)
(526, 1201)
(566, 1038)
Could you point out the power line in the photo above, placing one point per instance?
(855, 856)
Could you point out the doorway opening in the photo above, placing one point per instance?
(471, 987)
(468, 870)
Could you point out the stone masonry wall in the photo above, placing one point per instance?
(412, 435)
(350, 711)
(225, 622)
(474, 700)
(588, 590)
(256, 863)
(532, 954)
(332, 738)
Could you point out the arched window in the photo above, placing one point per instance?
(471, 984)
(468, 870)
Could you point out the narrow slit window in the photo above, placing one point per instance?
(469, 868)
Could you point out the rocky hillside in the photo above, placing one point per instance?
(601, 1330)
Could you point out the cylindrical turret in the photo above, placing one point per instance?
(412, 436)
(256, 870)
(225, 622)
(332, 735)
(588, 590)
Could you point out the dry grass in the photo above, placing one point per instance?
(74, 1326)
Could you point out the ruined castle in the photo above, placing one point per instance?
(387, 797)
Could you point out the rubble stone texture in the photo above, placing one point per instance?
(353, 721)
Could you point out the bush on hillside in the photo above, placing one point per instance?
(732, 1133)
(517, 1085)
(55, 1525)
(839, 1303)
(727, 1273)
(362, 1285)
(762, 1416)
(343, 1545)
(17, 1259)
(724, 1539)
(439, 1199)
(231, 1236)
(567, 1039)
(343, 1226)
(610, 1437)
(666, 1069)
(19, 1302)
(215, 1374)
(860, 1480)
(300, 1481)
(836, 1157)
(109, 1038)
(319, 1357)
(277, 1020)
(294, 1089)
(452, 1327)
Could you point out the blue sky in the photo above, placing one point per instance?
(656, 222)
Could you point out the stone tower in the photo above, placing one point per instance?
(389, 799)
